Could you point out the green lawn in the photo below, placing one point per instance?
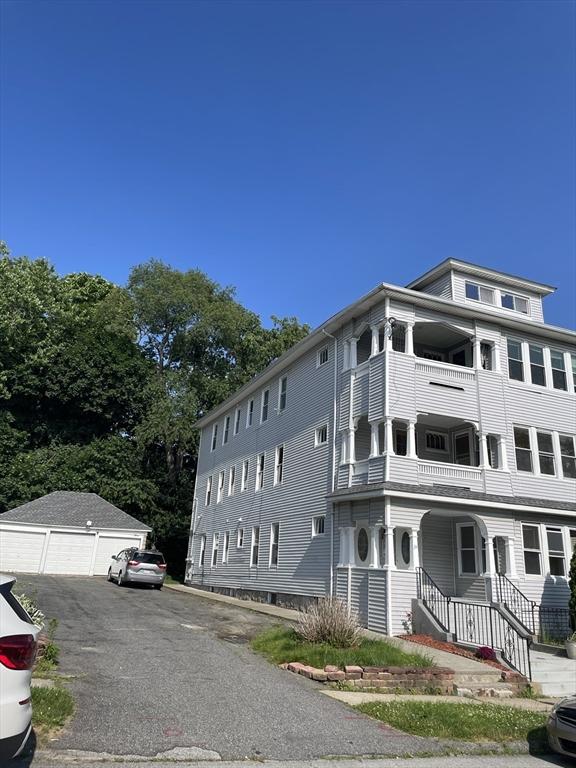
(280, 644)
(465, 722)
(51, 707)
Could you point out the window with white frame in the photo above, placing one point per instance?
(322, 357)
(572, 537)
(226, 547)
(436, 441)
(255, 546)
(237, 417)
(274, 542)
(240, 538)
(515, 360)
(264, 406)
(202, 550)
(215, 543)
(282, 392)
(515, 302)
(567, 456)
(467, 549)
(245, 470)
(321, 435)
(546, 453)
(537, 369)
(259, 471)
(573, 364)
(362, 544)
(403, 547)
(486, 354)
(220, 492)
(250, 414)
(481, 293)
(214, 437)
(558, 370)
(232, 481)
(522, 449)
(318, 525)
(226, 433)
(208, 491)
(532, 550)
(493, 445)
(555, 551)
(279, 465)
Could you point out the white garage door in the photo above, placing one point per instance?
(108, 546)
(70, 553)
(21, 551)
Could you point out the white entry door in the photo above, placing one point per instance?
(108, 546)
(70, 553)
(21, 551)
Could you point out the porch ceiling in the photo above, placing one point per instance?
(439, 335)
(441, 421)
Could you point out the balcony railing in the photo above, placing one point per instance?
(438, 469)
(448, 371)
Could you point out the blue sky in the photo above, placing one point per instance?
(301, 151)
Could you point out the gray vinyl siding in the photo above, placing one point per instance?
(442, 286)
(535, 311)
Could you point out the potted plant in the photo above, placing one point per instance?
(570, 646)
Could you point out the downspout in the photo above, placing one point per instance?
(333, 481)
(389, 555)
(386, 393)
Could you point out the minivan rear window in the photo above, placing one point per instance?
(15, 605)
(147, 557)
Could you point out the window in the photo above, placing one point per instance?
(240, 538)
(250, 414)
(558, 370)
(215, 542)
(226, 430)
(429, 354)
(321, 435)
(436, 441)
(517, 303)
(537, 370)
(515, 363)
(282, 389)
(531, 541)
(467, 549)
(264, 410)
(318, 525)
(479, 293)
(245, 470)
(546, 453)
(523, 451)
(400, 441)
(567, 456)
(226, 547)
(486, 356)
(259, 471)
(274, 539)
(362, 544)
(208, 491)
(572, 536)
(493, 451)
(399, 338)
(220, 487)
(232, 481)
(279, 465)
(405, 547)
(214, 437)
(202, 549)
(555, 551)
(322, 357)
(573, 362)
(255, 546)
(237, 421)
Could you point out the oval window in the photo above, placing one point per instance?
(362, 544)
(405, 547)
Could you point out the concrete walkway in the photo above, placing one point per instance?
(460, 664)
(353, 699)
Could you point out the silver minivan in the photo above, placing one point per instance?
(138, 566)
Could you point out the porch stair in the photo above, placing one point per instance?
(555, 675)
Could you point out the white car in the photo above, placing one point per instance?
(17, 653)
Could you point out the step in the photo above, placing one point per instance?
(484, 678)
(498, 690)
(557, 689)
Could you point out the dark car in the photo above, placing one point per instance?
(138, 566)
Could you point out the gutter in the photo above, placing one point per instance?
(333, 481)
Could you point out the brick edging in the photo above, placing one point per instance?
(378, 677)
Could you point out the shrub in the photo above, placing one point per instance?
(329, 621)
(486, 653)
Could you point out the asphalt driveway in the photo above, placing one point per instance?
(153, 671)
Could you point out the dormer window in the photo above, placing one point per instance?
(512, 301)
(479, 293)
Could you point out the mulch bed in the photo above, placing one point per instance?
(439, 645)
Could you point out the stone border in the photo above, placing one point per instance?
(388, 678)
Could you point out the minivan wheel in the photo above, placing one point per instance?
(157, 586)
(109, 577)
(119, 580)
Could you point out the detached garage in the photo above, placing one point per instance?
(67, 533)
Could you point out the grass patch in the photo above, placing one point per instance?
(51, 707)
(465, 722)
(281, 644)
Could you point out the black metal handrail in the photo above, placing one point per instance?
(433, 598)
(554, 624)
(521, 607)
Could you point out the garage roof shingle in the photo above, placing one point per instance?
(72, 509)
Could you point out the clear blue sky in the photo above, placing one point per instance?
(301, 151)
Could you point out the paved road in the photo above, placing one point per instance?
(160, 670)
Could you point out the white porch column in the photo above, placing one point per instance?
(484, 460)
(496, 364)
(477, 356)
(411, 440)
(503, 453)
(374, 442)
(375, 333)
(389, 438)
(353, 359)
(510, 557)
(352, 444)
(415, 548)
(346, 546)
(409, 340)
(374, 561)
(490, 564)
(390, 559)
